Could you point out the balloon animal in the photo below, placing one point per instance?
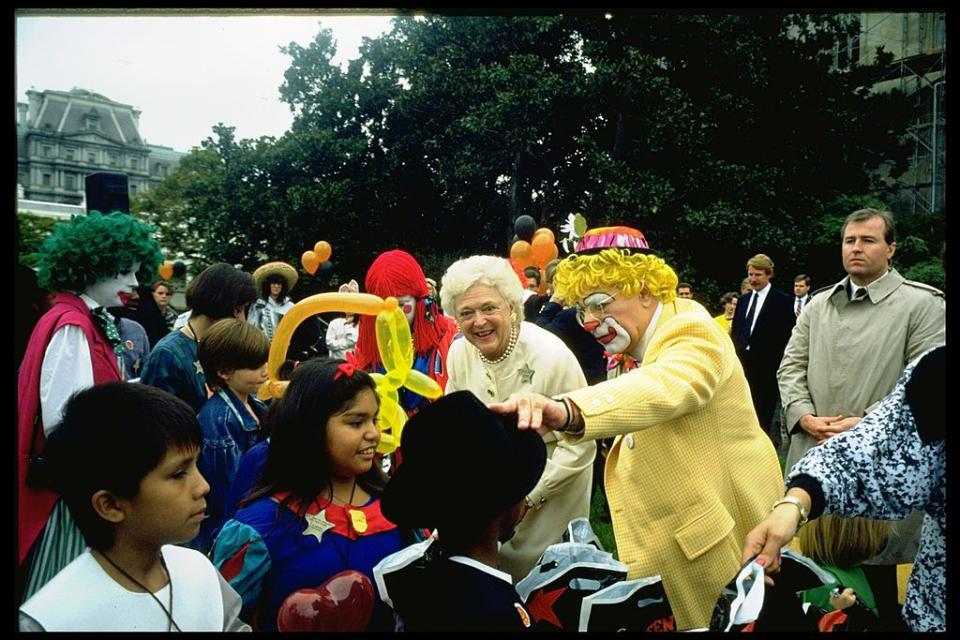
(393, 341)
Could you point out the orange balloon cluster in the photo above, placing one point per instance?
(311, 260)
(166, 270)
(541, 249)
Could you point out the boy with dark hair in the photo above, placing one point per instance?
(220, 291)
(234, 355)
(458, 585)
(129, 477)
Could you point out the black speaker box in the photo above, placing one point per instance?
(107, 192)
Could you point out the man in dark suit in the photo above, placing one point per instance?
(761, 329)
(801, 293)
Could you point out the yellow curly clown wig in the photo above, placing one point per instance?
(612, 258)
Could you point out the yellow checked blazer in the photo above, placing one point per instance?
(690, 472)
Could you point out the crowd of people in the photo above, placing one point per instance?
(147, 460)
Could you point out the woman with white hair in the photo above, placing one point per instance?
(501, 355)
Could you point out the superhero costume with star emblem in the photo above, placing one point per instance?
(266, 552)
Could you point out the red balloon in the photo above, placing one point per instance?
(342, 603)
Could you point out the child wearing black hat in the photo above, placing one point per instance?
(455, 584)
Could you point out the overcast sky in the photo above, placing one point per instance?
(184, 73)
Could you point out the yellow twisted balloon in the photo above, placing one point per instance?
(393, 341)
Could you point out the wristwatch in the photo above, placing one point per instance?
(795, 502)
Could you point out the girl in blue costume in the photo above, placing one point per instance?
(316, 509)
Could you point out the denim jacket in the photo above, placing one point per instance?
(228, 432)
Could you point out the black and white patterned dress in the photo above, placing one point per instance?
(883, 469)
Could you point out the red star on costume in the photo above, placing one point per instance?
(541, 606)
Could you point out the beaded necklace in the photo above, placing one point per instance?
(511, 345)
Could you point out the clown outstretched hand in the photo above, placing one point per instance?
(534, 411)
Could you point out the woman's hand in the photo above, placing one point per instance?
(534, 411)
(768, 537)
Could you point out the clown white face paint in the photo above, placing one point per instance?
(114, 291)
(595, 318)
(408, 304)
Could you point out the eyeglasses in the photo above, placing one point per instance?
(487, 310)
(595, 309)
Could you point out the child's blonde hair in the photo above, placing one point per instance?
(843, 542)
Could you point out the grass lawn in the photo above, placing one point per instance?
(600, 521)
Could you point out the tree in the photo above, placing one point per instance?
(720, 136)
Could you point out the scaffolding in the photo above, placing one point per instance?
(919, 45)
(925, 78)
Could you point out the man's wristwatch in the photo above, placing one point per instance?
(795, 502)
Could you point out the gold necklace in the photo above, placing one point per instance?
(511, 345)
(357, 517)
(163, 563)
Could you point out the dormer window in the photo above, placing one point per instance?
(91, 121)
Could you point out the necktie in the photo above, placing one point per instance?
(104, 320)
(799, 305)
(859, 295)
(750, 310)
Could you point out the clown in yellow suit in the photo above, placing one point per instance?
(690, 471)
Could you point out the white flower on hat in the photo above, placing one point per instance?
(574, 228)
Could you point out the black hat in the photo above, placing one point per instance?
(461, 461)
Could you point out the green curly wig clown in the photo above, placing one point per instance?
(632, 273)
(94, 247)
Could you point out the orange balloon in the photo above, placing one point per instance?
(520, 252)
(166, 270)
(554, 252)
(543, 231)
(323, 250)
(540, 250)
(310, 262)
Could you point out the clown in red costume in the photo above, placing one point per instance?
(93, 263)
(396, 273)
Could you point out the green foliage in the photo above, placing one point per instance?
(929, 271)
(720, 136)
(31, 232)
(600, 522)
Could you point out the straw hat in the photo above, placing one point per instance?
(282, 269)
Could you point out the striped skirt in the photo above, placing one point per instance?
(60, 543)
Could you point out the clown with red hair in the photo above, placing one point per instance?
(396, 273)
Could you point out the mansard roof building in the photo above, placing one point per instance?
(63, 136)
